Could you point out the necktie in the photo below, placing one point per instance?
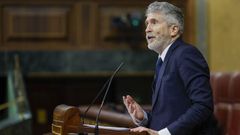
(158, 67)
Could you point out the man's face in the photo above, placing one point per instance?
(157, 32)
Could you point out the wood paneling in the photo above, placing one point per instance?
(77, 25)
(38, 25)
(27, 23)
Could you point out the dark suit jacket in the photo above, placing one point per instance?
(182, 99)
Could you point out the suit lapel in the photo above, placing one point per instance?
(161, 72)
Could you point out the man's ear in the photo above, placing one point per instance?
(174, 30)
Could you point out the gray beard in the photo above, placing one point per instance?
(158, 46)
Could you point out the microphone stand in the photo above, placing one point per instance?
(104, 86)
(105, 95)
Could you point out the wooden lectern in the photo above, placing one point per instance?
(66, 119)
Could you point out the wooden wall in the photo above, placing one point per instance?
(76, 24)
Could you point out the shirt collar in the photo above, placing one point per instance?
(163, 55)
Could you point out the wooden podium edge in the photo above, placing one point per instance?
(66, 119)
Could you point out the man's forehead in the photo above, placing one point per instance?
(154, 16)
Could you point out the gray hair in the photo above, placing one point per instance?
(173, 14)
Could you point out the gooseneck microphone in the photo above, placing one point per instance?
(105, 95)
(99, 93)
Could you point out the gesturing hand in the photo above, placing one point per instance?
(134, 109)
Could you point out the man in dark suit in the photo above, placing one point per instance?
(182, 102)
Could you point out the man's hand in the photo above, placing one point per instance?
(134, 109)
(142, 129)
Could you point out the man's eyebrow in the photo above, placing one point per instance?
(146, 22)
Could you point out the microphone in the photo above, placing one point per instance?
(105, 95)
(94, 100)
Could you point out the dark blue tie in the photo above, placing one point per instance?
(157, 70)
(158, 66)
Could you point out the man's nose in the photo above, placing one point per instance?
(148, 29)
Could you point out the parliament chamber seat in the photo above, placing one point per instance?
(226, 93)
(222, 113)
(234, 88)
(234, 122)
(220, 86)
